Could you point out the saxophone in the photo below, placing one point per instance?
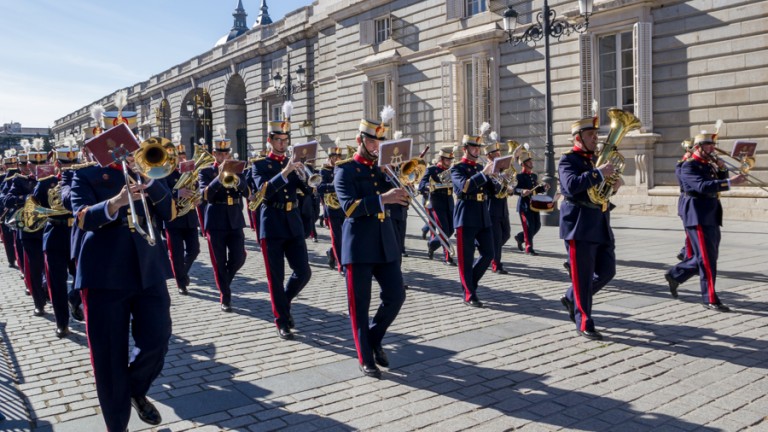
(621, 123)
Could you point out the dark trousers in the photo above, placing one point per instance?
(58, 267)
(34, 269)
(276, 252)
(368, 335)
(10, 250)
(400, 227)
(19, 249)
(110, 315)
(593, 265)
(227, 256)
(183, 246)
(334, 224)
(501, 234)
(705, 243)
(443, 221)
(472, 269)
(531, 224)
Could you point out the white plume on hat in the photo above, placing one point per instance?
(11, 152)
(493, 136)
(97, 113)
(121, 100)
(25, 145)
(69, 142)
(287, 110)
(397, 135)
(595, 107)
(516, 153)
(176, 138)
(222, 131)
(37, 144)
(484, 128)
(387, 114)
(337, 141)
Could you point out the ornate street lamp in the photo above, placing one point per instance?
(287, 88)
(547, 24)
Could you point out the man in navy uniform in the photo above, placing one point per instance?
(585, 227)
(281, 228)
(333, 214)
(369, 245)
(440, 202)
(181, 232)
(498, 208)
(20, 189)
(11, 163)
(527, 185)
(122, 278)
(56, 235)
(702, 178)
(224, 221)
(471, 184)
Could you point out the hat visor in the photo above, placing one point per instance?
(584, 129)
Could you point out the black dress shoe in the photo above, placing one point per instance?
(519, 244)
(380, 357)
(430, 253)
(590, 334)
(62, 332)
(450, 262)
(331, 259)
(12, 265)
(147, 412)
(680, 256)
(285, 333)
(569, 307)
(405, 286)
(404, 254)
(370, 370)
(533, 252)
(38, 312)
(673, 284)
(717, 307)
(226, 308)
(567, 267)
(76, 312)
(183, 290)
(424, 234)
(474, 303)
(291, 324)
(500, 270)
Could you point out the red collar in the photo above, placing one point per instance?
(583, 153)
(526, 171)
(441, 166)
(116, 166)
(468, 162)
(275, 157)
(698, 158)
(358, 158)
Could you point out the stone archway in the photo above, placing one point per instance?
(198, 124)
(235, 117)
(163, 119)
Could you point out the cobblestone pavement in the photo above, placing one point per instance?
(665, 365)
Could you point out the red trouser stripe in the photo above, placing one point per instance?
(688, 247)
(353, 311)
(437, 222)
(215, 267)
(170, 251)
(526, 236)
(336, 253)
(575, 282)
(460, 253)
(269, 278)
(707, 265)
(84, 297)
(27, 276)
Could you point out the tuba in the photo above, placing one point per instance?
(188, 180)
(32, 216)
(621, 123)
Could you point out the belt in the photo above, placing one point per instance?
(228, 201)
(587, 204)
(287, 206)
(471, 197)
(125, 221)
(445, 191)
(62, 222)
(698, 195)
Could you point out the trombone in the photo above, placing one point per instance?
(746, 163)
(156, 158)
(404, 177)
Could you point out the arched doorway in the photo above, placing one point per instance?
(197, 108)
(163, 119)
(235, 115)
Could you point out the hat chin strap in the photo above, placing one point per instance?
(366, 154)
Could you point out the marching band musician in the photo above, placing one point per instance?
(471, 218)
(281, 228)
(498, 209)
(11, 163)
(702, 177)
(224, 221)
(585, 227)
(440, 202)
(123, 282)
(308, 207)
(56, 236)
(22, 187)
(181, 232)
(369, 245)
(332, 213)
(527, 185)
(398, 214)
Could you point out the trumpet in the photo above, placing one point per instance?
(156, 158)
(306, 175)
(404, 177)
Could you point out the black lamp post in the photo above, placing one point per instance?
(548, 24)
(287, 88)
(196, 112)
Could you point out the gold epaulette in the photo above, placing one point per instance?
(45, 178)
(568, 152)
(11, 177)
(83, 165)
(342, 162)
(252, 160)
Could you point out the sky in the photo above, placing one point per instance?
(61, 55)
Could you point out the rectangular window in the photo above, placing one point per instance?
(474, 7)
(469, 97)
(379, 97)
(383, 29)
(277, 112)
(617, 86)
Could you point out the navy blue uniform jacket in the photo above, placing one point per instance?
(275, 221)
(326, 187)
(222, 217)
(469, 184)
(580, 219)
(701, 183)
(188, 220)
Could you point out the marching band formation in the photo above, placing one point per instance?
(95, 210)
